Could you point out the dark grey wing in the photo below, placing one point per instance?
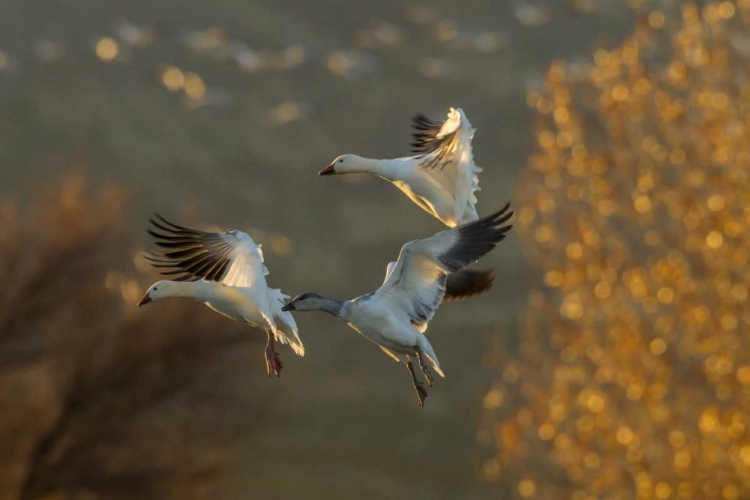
(467, 283)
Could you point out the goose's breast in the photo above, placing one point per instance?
(381, 326)
(236, 306)
(225, 308)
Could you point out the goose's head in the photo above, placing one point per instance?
(163, 290)
(346, 164)
(306, 302)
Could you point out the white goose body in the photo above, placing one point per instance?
(442, 179)
(234, 303)
(224, 271)
(240, 304)
(396, 315)
(390, 329)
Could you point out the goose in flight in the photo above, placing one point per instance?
(396, 315)
(441, 177)
(224, 271)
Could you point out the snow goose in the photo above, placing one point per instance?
(441, 178)
(224, 271)
(396, 315)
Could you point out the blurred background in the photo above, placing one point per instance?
(610, 360)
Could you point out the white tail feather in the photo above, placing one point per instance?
(286, 331)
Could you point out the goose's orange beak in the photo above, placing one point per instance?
(145, 300)
(329, 170)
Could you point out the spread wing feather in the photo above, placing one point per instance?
(417, 283)
(444, 152)
(230, 257)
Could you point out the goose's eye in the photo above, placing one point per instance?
(155, 288)
(341, 160)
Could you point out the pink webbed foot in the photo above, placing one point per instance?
(273, 362)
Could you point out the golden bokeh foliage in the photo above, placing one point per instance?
(631, 376)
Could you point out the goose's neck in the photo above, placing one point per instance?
(331, 306)
(186, 289)
(388, 169)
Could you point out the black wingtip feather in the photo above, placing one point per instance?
(186, 252)
(176, 227)
(176, 239)
(168, 229)
(425, 139)
(478, 238)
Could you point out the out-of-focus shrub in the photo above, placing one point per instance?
(632, 373)
(97, 397)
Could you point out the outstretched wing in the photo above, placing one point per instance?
(462, 284)
(437, 142)
(417, 283)
(231, 257)
(444, 152)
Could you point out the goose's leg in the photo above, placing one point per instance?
(423, 366)
(273, 362)
(418, 386)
